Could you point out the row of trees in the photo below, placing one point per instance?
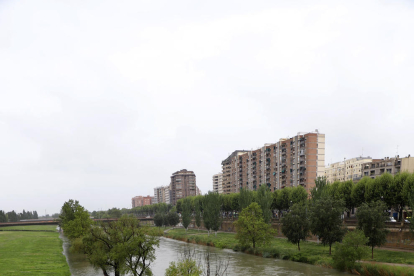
(322, 216)
(14, 217)
(122, 247)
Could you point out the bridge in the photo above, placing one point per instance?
(145, 220)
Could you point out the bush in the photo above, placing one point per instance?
(350, 250)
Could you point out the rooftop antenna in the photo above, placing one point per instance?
(397, 151)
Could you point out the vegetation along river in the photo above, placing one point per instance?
(238, 263)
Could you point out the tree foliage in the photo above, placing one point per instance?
(245, 198)
(211, 211)
(251, 228)
(264, 199)
(371, 219)
(75, 220)
(121, 246)
(186, 213)
(351, 249)
(296, 224)
(326, 221)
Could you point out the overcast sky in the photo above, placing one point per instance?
(101, 101)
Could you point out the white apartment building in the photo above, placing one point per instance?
(218, 183)
(349, 169)
(162, 194)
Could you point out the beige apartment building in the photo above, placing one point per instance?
(288, 163)
(183, 184)
(162, 194)
(349, 169)
(388, 165)
(218, 183)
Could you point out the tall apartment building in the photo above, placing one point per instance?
(388, 165)
(288, 163)
(166, 194)
(349, 169)
(139, 201)
(183, 184)
(218, 183)
(162, 194)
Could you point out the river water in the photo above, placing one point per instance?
(238, 263)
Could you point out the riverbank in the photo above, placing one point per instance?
(32, 252)
(311, 253)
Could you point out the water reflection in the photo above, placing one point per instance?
(239, 263)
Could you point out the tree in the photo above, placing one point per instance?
(159, 219)
(80, 225)
(186, 267)
(298, 194)
(75, 220)
(283, 198)
(121, 246)
(12, 216)
(358, 191)
(67, 212)
(114, 213)
(251, 228)
(186, 213)
(245, 198)
(397, 190)
(173, 218)
(35, 215)
(197, 212)
(371, 219)
(3, 217)
(351, 249)
(296, 224)
(326, 221)
(211, 212)
(345, 193)
(264, 199)
(321, 188)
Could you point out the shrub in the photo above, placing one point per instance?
(350, 250)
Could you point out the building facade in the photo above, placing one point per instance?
(287, 163)
(218, 183)
(183, 184)
(388, 165)
(139, 201)
(162, 194)
(349, 169)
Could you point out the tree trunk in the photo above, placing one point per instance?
(330, 247)
(254, 243)
(104, 272)
(372, 254)
(298, 245)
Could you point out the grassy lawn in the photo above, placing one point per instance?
(310, 252)
(32, 253)
(31, 227)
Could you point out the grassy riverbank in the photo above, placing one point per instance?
(310, 252)
(31, 253)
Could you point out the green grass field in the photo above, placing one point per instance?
(31, 253)
(31, 227)
(310, 252)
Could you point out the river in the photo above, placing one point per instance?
(239, 263)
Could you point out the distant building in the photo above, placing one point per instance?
(288, 163)
(166, 194)
(349, 169)
(139, 201)
(162, 194)
(388, 165)
(218, 183)
(136, 201)
(183, 184)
